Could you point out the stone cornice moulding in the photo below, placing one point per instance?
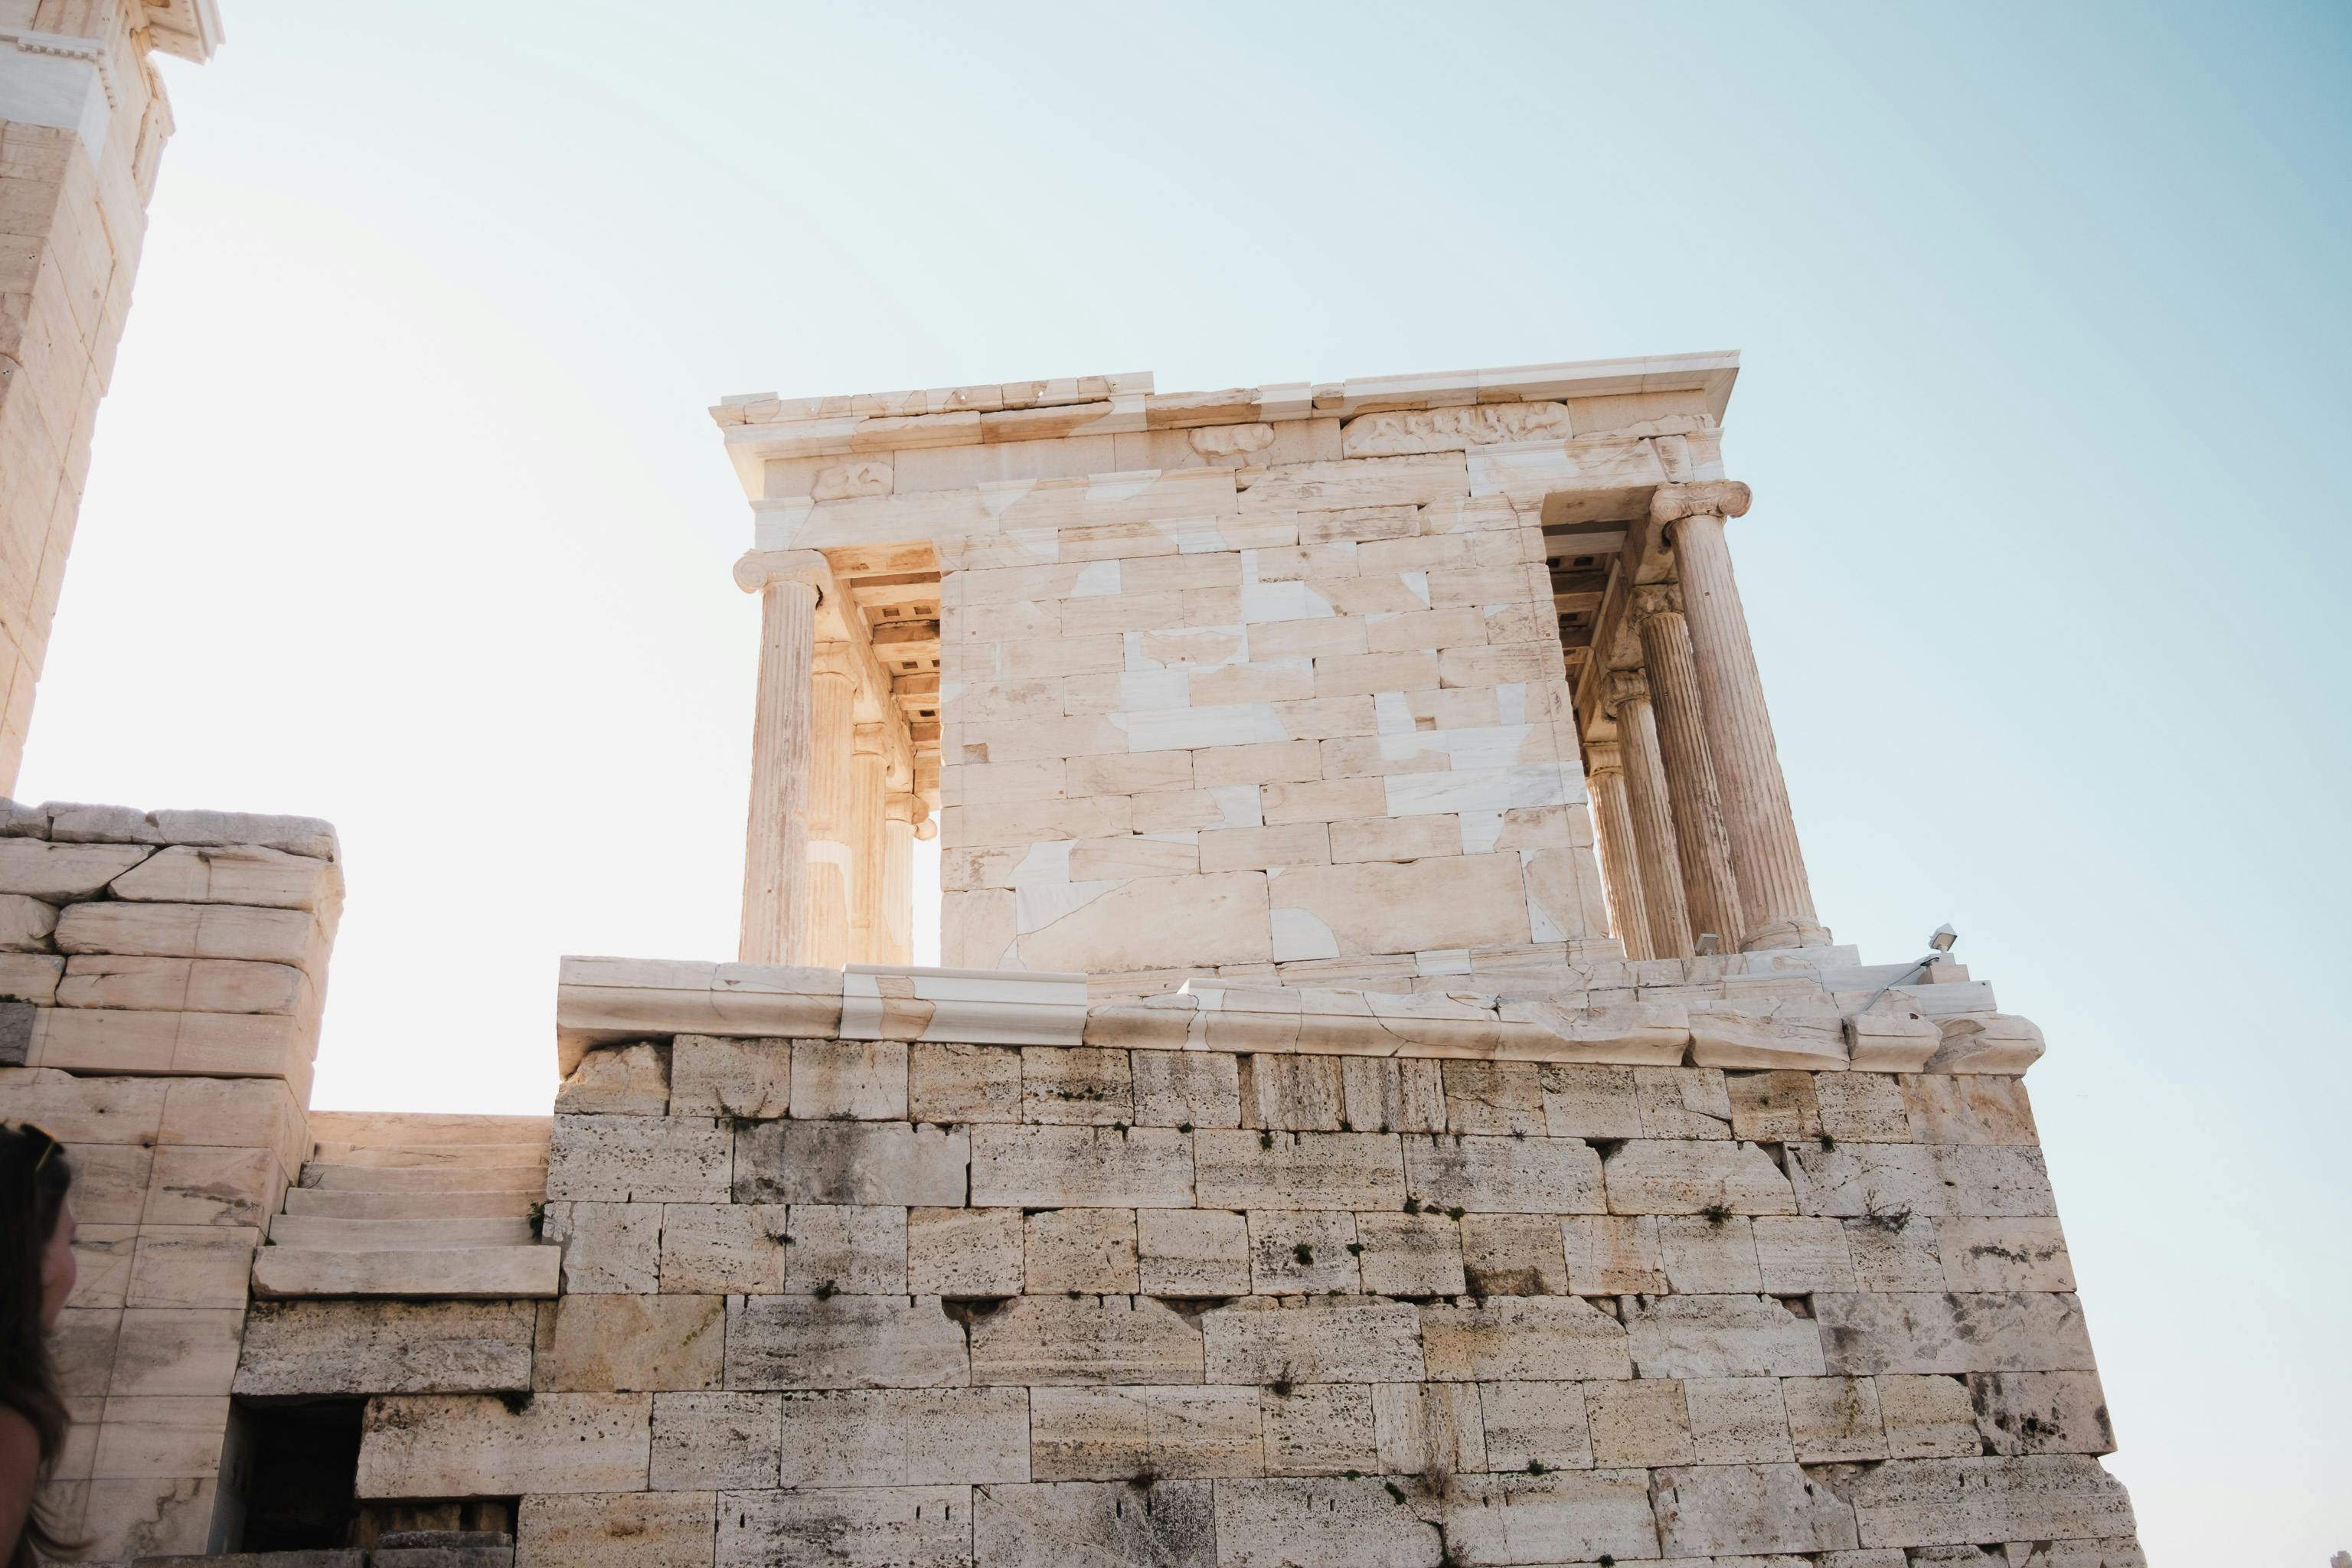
(1714, 498)
(1944, 1029)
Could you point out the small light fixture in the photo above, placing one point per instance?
(1709, 944)
(1944, 938)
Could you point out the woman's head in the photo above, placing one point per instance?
(37, 1228)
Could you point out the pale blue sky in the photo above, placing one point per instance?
(405, 512)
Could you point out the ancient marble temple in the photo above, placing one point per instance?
(1392, 1098)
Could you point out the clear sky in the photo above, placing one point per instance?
(405, 512)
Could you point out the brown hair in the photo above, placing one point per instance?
(34, 1177)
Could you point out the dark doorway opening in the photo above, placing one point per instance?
(302, 1474)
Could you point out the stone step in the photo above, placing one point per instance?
(327, 1233)
(330, 1177)
(432, 1155)
(342, 1204)
(443, 1271)
(411, 1130)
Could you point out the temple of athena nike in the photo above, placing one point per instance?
(1392, 1098)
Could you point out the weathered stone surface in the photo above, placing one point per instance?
(1611, 1255)
(619, 1080)
(1682, 1103)
(1644, 1422)
(1773, 1107)
(1688, 1176)
(850, 1163)
(964, 1253)
(1926, 1417)
(1932, 1502)
(1968, 1108)
(904, 1437)
(443, 1446)
(863, 1080)
(843, 1341)
(606, 1247)
(1508, 1338)
(1292, 1093)
(1925, 1332)
(1090, 1251)
(1059, 1167)
(1186, 1088)
(1411, 1255)
(2003, 1254)
(710, 1440)
(25, 924)
(617, 1529)
(1319, 1429)
(860, 1249)
(191, 930)
(1320, 1340)
(604, 1343)
(1084, 1087)
(1721, 1336)
(1078, 1524)
(712, 1075)
(1577, 1515)
(1739, 1420)
(384, 1347)
(724, 1249)
(1528, 1424)
(1798, 1255)
(950, 1083)
(1986, 1042)
(1512, 1255)
(1862, 1107)
(1709, 1254)
(1319, 1523)
(1717, 1510)
(1295, 1252)
(854, 1526)
(1194, 1253)
(1432, 1430)
(1268, 1170)
(1582, 1101)
(1507, 1175)
(1833, 1419)
(1038, 1340)
(1108, 1434)
(225, 874)
(2041, 1412)
(639, 1158)
(61, 872)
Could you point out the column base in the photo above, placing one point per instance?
(1786, 933)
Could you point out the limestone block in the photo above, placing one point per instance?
(1527, 1424)
(1501, 1098)
(1319, 1429)
(1748, 1509)
(1739, 1420)
(853, 1527)
(192, 931)
(843, 1341)
(294, 835)
(1254, 1170)
(160, 1438)
(1689, 1176)
(1773, 1107)
(33, 978)
(709, 1440)
(724, 1249)
(1433, 1431)
(102, 1258)
(630, 1343)
(1932, 1502)
(857, 1248)
(1833, 1419)
(1271, 1341)
(1799, 1255)
(1988, 1043)
(714, 1075)
(606, 1247)
(1613, 1255)
(1295, 1252)
(2118, 1553)
(225, 1044)
(1504, 1175)
(82, 1347)
(1186, 1088)
(1135, 773)
(25, 924)
(1386, 1095)
(1968, 1108)
(639, 1158)
(1722, 1336)
(59, 873)
(1924, 1333)
(864, 1081)
(77, 1110)
(1510, 1254)
(906, 1437)
(1891, 1041)
(1928, 1417)
(1291, 1093)
(1541, 1338)
(1862, 1107)
(127, 1517)
(1582, 1101)
(1156, 921)
(229, 874)
(1264, 848)
(1056, 1166)
(617, 1529)
(1079, 1086)
(851, 1162)
(949, 1084)
(1090, 1251)
(1646, 1421)
(2042, 1413)
(1106, 1434)
(461, 1446)
(1923, 1179)
(110, 1180)
(1810, 1039)
(1709, 1256)
(176, 1351)
(1080, 1524)
(1195, 1253)
(1577, 1514)
(1411, 1255)
(191, 1266)
(1895, 1250)
(1319, 1523)
(1682, 1103)
(318, 1348)
(2004, 1254)
(964, 1253)
(619, 1080)
(1453, 429)
(1374, 906)
(1039, 1340)
(213, 1186)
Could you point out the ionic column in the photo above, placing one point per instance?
(1653, 818)
(1766, 859)
(1708, 886)
(775, 833)
(866, 792)
(832, 856)
(905, 819)
(1604, 772)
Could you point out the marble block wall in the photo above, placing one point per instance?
(162, 977)
(889, 1301)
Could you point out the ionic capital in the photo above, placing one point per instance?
(757, 569)
(1625, 686)
(909, 807)
(1657, 599)
(1603, 757)
(1716, 498)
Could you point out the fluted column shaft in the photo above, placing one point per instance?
(901, 815)
(1605, 773)
(867, 796)
(832, 699)
(1766, 857)
(1653, 821)
(1710, 886)
(775, 838)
